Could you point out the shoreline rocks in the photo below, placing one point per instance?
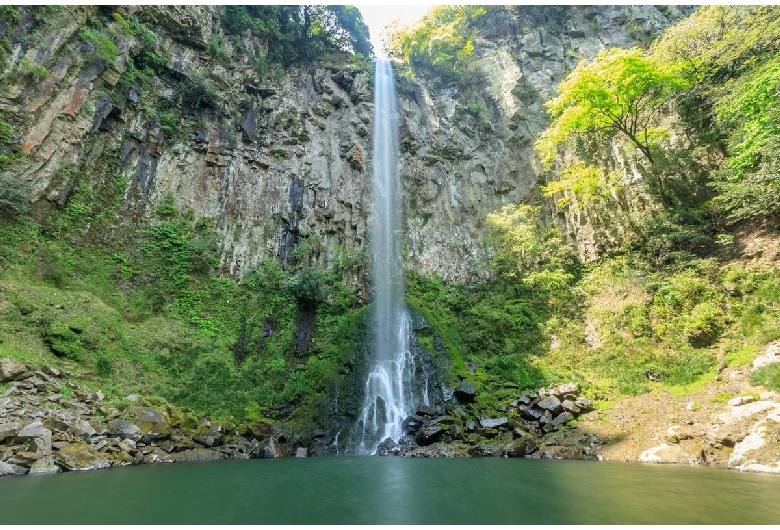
(534, 426)
(50, 424)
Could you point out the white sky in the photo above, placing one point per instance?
(377, 17)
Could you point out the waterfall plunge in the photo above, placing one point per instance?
(388, 400)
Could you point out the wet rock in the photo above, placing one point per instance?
(301, 452)
(45, 466)
(426, 411)
(493, 422)
(388, 448)
(429, 433)
(80, 456)
(465, 392)
(124, 429)
(10, 370)
(411, 424)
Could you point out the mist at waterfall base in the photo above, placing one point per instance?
(389, 398)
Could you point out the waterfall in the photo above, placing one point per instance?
(388, 390)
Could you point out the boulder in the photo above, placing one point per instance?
(568, 388)
(301, 452)
(388, 447)
(741, 400)
(551, 403)
(8, 430)
(124, 429)
(82, 430)
(465, 392)
(10, 370)
(318, 433)
(426, 411)
(493, 422)
(429, 433)
(80, 456)
(411, 424)
(489, 449)
(271, 448)
(583, 404)
(261, 429)
(192, 455)
(45, 466)
(562, 418)
(34, 430)
(520, 447)
(11, 469)
(208, 440)
(154, 424)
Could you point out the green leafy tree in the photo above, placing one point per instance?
(442, 41)
(525, 250)
(617, 93)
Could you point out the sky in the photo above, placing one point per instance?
(377, 17)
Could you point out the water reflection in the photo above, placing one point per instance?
(372, 490)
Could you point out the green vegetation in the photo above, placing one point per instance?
(442, 41)
(297, 34)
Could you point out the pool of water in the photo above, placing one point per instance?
(372, 490)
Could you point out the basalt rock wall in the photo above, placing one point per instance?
(273, 160)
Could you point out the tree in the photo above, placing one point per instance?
(616, 93)
(442, 41)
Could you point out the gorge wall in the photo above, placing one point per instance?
(271, 162)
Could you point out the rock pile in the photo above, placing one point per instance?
(50, 424)
(534, 426)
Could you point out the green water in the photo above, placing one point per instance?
(370, 490)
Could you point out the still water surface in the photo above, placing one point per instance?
(371, 490)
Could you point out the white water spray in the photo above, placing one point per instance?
(388, 399)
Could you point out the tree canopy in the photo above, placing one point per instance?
(617, 93)
(441, 41)
(303, 32)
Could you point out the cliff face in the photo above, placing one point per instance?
(273, 161)
(468, 151)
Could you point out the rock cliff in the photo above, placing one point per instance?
(160, 100)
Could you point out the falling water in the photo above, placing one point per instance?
(388, 398)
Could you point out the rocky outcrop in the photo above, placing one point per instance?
(534, 427)
(467, 148)
(84, 430)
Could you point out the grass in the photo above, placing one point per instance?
(767, 376)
